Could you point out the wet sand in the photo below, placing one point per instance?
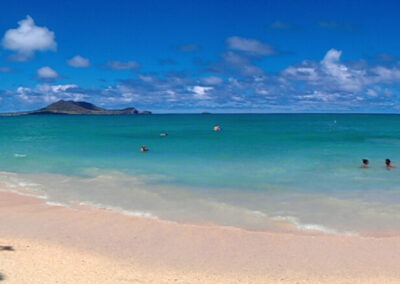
(53, 244)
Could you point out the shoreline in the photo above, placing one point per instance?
(150, 250)
(191, 207)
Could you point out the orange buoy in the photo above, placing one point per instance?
(217, 128)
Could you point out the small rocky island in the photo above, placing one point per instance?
(76, 108)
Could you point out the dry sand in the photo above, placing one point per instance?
(63, 245)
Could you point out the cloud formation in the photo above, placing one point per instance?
(250, 46)
(27, 39)
(78, 62)
(46, 94)
(47, 74)
(238, 82)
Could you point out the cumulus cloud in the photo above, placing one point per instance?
(123, 66)
(78, 62)
(45, 94)
(235, 82)
(47, 74)
(345, 84)
(201, 92)
(250, 46)
(27, 39)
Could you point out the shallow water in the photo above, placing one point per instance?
(259, 172)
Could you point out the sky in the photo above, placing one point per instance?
(180, 56)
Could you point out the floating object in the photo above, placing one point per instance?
(217, 128)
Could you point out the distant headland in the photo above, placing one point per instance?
(76, 108)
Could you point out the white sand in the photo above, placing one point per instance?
(60, 245)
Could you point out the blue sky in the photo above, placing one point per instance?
(191, 56)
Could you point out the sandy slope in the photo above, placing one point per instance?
(61, 245)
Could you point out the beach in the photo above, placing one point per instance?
(199, 142)
(53, 244)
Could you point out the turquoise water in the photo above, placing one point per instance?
(260, 171)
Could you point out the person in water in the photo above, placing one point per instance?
(144, 149)
(365, 163)
(389, 164)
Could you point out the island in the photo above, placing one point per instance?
(77, 108)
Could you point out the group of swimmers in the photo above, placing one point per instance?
(144, 149)
(388, 164)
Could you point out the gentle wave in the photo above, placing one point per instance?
(121, 210)
(313, 227)
(20, 155)
(140, 196)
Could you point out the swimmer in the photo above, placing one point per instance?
(389, 164)
(217, 128)
(144, 149)
(365, 163)
(163, 134)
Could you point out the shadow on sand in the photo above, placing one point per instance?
(8, 248)
(5, 248)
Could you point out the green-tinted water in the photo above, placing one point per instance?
(270, 164)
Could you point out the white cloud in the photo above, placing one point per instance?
(345, 78)
(78, 62)
(122, 66)
(201, 92)
(326, 85)
(329, 75)
(46, 74)
(241, 64)
(147, 79)
(46, 93)
(261, 92)
(212, 80)
(385, 75)
(27, 39)
(251, 46)
(332, 57)
(372, 93)
(306, 72)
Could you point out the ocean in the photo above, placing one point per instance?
(273, 172)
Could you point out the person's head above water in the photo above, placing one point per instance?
(365, 163)
(389, 164)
